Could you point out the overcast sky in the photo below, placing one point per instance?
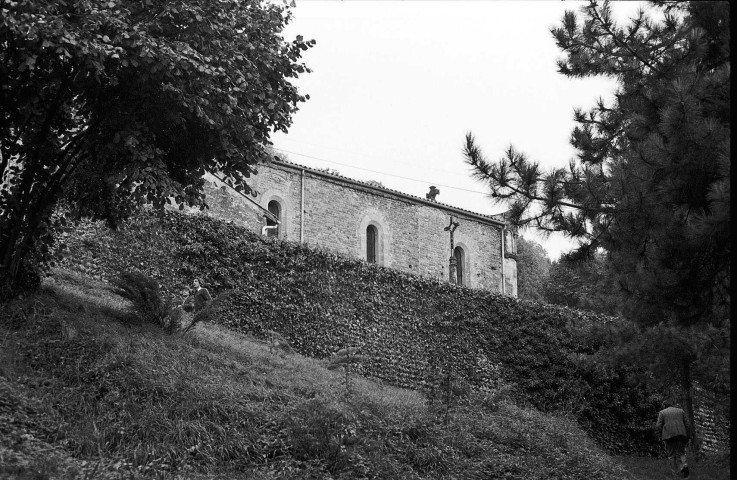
(397, 84)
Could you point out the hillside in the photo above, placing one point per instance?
(89, 393)
(414, 331)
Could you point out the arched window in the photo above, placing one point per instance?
(275, 209)
(372, 238)
(460, 263)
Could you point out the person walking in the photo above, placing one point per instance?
(202, 295)
(197, 300)
(195, 303)
(674, 431)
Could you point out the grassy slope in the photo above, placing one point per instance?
(405, 324)
(82, 391)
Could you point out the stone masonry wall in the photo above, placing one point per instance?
(336, 214)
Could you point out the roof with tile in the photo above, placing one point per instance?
(494, 219)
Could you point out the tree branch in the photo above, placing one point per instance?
(626, 46)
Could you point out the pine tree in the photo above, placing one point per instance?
(650, 185)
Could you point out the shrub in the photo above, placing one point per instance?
(147, 303)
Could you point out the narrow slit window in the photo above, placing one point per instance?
(372, 237)
(460, 262)
(274, 209)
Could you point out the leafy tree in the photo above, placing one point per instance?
(533, 266)
(583, 285)
(650, 184)
(109, 105)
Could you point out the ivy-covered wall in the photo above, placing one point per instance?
(408, 326)
(333, 211)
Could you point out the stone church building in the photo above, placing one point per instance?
(374, 223)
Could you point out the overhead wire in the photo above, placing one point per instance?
(372, 171)
(379, 172)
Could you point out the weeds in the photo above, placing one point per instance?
(493, 400)
(319, 430)
(278, 343)
(133, 402)
(147, 302)
(345, 358)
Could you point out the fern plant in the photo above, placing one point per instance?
(207, 313)
(147, 303)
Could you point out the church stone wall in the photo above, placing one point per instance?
(337, 212)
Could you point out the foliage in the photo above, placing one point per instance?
(651, 184)
(134, 403)
(147, 302)
(495, 399)
(533, 267)
(278, 343)
(582, 285)
(448, 364)
(345, 358)
(115, 104)
(410, 328)
(209, 312)
(321, 431)
(665, 351)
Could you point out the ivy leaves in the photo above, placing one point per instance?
(406, 325)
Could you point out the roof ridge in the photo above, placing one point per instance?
(499, 217)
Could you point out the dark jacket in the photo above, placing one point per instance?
(672, 421)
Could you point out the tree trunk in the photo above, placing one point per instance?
(10, 272)
(17, 243)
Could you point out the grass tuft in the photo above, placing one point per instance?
(86, 394)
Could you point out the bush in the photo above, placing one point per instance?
(147, 303)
